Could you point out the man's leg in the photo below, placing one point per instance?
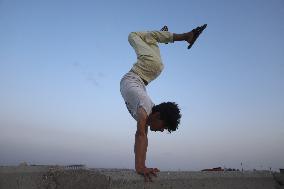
(190, 37)
(183, 37)
(146, 46)
(145, 43)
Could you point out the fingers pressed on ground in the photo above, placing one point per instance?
(154, 173)
(150, 178)
(147, 177)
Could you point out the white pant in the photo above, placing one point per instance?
(134, 93)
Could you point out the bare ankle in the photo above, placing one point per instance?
(180, 37)
(189, 36)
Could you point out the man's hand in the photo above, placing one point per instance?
(148, 173)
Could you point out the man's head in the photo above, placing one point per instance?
(165, 116)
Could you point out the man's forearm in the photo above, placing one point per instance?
(140, 150)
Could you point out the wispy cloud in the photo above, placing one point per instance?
(89, 75)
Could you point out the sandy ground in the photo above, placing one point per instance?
(57, 177)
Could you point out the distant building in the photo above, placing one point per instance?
(23, 164)
(230, 169)
(75, 167)
(214, 169)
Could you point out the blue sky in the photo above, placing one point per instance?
(61, 63)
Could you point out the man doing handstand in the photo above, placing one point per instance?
(133, 90)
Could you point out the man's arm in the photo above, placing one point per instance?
(140, 147)
(141, 141)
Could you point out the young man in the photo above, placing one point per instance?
(133, 89)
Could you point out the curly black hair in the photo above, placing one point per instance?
(169, 113)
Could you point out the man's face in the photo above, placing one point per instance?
(157, 124)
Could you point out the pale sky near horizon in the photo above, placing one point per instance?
(61, 62)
